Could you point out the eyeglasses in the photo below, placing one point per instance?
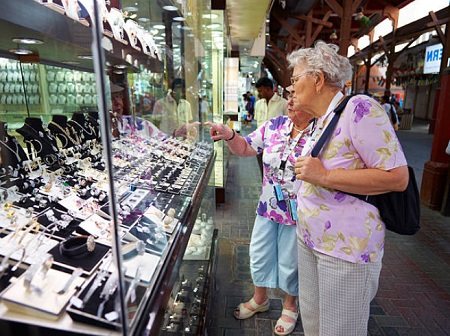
(295, 78)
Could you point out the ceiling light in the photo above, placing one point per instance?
(21, 51)
(210, 16)
(26, 40)
(333, 35)
(214, 25)
(85, 57)
(143, 20)
(179, 18)
(170, 8)
(158, 38)
(159, 26)
(154, 31)
(120, 66)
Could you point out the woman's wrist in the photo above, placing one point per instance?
(233, 136)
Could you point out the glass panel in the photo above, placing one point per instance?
(55, 237)
(105, 158)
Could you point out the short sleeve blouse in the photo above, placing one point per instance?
(271, 139)
(333, 222)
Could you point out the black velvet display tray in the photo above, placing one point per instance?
(61, 233)
(88, 262)
(88, 314)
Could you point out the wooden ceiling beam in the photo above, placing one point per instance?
(437, 27)
(308, 30)
(318, 29)
(310, 19)
(355, 5)
(335, 7)
(286, 26)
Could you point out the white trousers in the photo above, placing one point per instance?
(334, 294)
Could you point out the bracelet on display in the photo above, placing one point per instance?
(77, 246)
(232, 137)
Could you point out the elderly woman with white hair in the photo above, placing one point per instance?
(340, 237)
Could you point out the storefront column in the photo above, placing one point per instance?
(435, 176)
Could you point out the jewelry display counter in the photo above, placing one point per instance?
(55, 229)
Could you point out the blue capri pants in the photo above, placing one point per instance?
(273, 255)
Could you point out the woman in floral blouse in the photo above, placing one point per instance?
(273, 250)
(340, 237)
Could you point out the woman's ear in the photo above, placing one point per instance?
(319, 81)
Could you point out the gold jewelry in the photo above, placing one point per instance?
(66, 132)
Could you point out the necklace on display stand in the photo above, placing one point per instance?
(84, 129)
(16, 151)
(66, 132)
(43, 136)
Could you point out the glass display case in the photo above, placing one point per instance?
(106, 184)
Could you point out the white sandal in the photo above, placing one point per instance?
(241, 312)
(288, 327)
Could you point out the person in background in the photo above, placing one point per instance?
(204, 108)
(268, 106)
(249, 110)
(273, 261)
(173, 110)
(340, 237)
(390, 111)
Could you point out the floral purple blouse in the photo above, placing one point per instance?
(335, 223)
(272, 138)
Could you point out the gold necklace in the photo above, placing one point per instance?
(66, 132)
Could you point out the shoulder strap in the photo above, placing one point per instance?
(331, 126)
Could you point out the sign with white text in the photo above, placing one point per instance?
(433, 57)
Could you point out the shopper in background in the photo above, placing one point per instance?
(390, 111)
(269, 105)
(173, 110)
(340, 237)
(273, 260)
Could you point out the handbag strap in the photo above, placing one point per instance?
(331, 126)
(326, 134)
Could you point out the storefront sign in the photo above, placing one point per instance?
(433, 56)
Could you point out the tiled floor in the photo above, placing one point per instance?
(414, 293)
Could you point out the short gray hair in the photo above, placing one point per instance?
(323, 57)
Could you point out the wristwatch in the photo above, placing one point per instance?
(77, 246)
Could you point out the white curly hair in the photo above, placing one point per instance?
(323, 57)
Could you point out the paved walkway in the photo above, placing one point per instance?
(414, 293)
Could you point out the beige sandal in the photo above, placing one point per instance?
(241, 312)
(288, 327)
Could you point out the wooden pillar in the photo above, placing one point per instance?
(389, 73)
(368, 63)
(435, 175)
(346, 25)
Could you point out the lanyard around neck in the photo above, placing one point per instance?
(288, 148)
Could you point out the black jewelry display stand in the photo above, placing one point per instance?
(43, 142)
(12, 154)
(80, 125)
(64, 136)
(88, 263)
(88, 314)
